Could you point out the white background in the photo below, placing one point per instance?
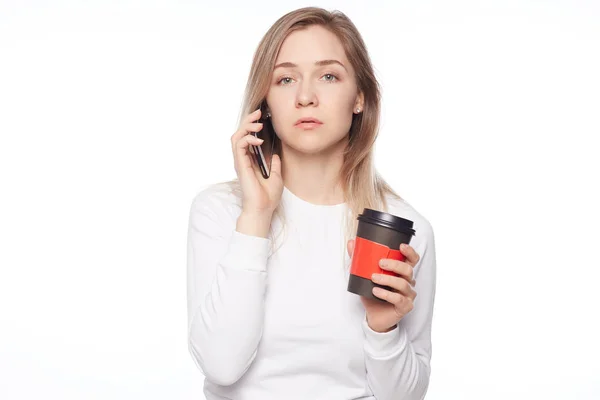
(114, 114)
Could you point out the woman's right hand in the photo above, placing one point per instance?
(259, 195)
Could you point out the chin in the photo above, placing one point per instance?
(312, 144)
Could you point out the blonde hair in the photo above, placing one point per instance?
(362, 185)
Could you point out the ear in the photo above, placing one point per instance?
(359, 103)
(266, 109)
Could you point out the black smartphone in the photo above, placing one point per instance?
(261, 154)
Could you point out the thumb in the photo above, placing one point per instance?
(276, 164)
(350, 246)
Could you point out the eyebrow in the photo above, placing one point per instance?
(318, 64)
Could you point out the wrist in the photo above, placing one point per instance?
(383, 344)
(254, 223)
(379, 329)
(256, 213)
(385, 330)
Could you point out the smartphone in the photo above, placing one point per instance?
(261, 154)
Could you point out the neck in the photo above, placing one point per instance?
(314, 177)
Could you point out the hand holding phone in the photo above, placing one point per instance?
(261, 190)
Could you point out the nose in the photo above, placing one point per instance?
(306, 95)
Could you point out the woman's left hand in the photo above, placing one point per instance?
(384, 316)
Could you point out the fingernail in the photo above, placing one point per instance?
(382, 263)
(404, 246)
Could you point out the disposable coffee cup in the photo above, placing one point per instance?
(379, 235)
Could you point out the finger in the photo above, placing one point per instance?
(350, 246)
(244, 130)
(389, 296)
(396, 283)
(243, 161)
(398, 300)
(253, 116)
(398, 267)
(276, 165)
(411, 255)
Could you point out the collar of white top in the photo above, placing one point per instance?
(291, 198)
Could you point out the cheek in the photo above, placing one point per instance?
(340, 102)
(279, 126)
(341, 112)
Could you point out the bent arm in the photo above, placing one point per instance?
(226, 275)
(398, 361)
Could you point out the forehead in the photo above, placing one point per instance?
(311, 44)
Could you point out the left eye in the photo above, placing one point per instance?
(332, 76)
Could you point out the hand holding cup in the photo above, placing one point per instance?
(383, 316)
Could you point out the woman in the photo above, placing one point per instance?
(279, 323)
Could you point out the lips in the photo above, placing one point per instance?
(308, 120)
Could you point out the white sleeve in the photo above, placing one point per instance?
(226, 283)
(398, 362)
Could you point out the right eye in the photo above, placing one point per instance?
(282, 79)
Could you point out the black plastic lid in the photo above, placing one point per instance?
(387, 220)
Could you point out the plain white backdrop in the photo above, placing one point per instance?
(114, 114)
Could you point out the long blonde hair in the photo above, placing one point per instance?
(363, 186)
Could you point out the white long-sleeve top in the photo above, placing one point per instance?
(281, 325)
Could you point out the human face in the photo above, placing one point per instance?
(312, 79)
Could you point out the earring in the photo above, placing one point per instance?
(358, 110)
(268, 114)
